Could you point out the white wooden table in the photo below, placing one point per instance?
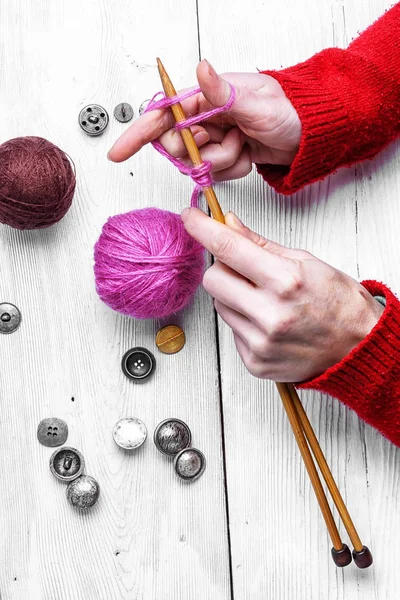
(250, 528)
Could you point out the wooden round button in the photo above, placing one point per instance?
(170, 339)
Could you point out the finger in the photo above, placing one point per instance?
(239, 324)
(146, 129)
(229, 288)
(151, 126)
(256, 367)
(225, 154)
(242, 167)
(217, 91)
(173, 143)
(235, 250)
(232, 221)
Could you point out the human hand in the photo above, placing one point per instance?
(261, 127)
(292, 315)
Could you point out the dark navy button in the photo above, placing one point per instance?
(138, 364)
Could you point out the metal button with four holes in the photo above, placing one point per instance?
(189, 464)
(138, 364)
(67, 464)
(123, 112)
(171, 436)
(52, 432)
(93, 119)
(10, 317)
(130, 433)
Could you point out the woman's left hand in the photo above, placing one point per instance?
(292, 315)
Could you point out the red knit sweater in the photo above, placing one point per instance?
(348, 102)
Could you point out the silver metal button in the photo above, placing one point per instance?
(67, 464)
(190, 464)
(143, 106)
(171, 436)
(130, 433)
(123, 112)
(93, 119)
(52, 432)
(83, 492)
(10, 318)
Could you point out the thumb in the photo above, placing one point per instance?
(215, 89)
(233, 222)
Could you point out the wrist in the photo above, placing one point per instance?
(360, 322)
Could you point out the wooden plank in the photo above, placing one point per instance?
(150, 536)
(280, 547)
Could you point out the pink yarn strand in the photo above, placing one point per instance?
(201, 175)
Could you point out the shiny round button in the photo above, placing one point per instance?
(83, 492)
(67, 464)
(170, 339)
(138, 364)
(93, 119)
(171, 436)
(130, 433)
(143, 106)
(52, 432)
(123, 112)
(190, 464)
(10, 318)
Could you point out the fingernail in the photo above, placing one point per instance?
(201, 137)
(185, 214)
(233, 218)
(211, 70)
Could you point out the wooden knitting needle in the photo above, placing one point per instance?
(340, 552)
(361, 554)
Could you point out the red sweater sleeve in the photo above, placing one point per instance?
(348, 102)
(368, 379)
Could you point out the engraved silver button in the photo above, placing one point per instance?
(52, 432)
(83, 492)
(123, 112)
(67, 464)
(130, 433)
(190, 464)
(171, 436)
(93, 119)
(10, 318)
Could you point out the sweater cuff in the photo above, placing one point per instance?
(368, 379)
(349, 110)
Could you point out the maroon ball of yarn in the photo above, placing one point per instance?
(37, 183)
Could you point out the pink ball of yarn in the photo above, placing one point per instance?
(146, 265)
(37, 183)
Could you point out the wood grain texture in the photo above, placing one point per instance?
(150, 536)
(280, 547)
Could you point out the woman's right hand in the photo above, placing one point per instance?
(261, 127)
